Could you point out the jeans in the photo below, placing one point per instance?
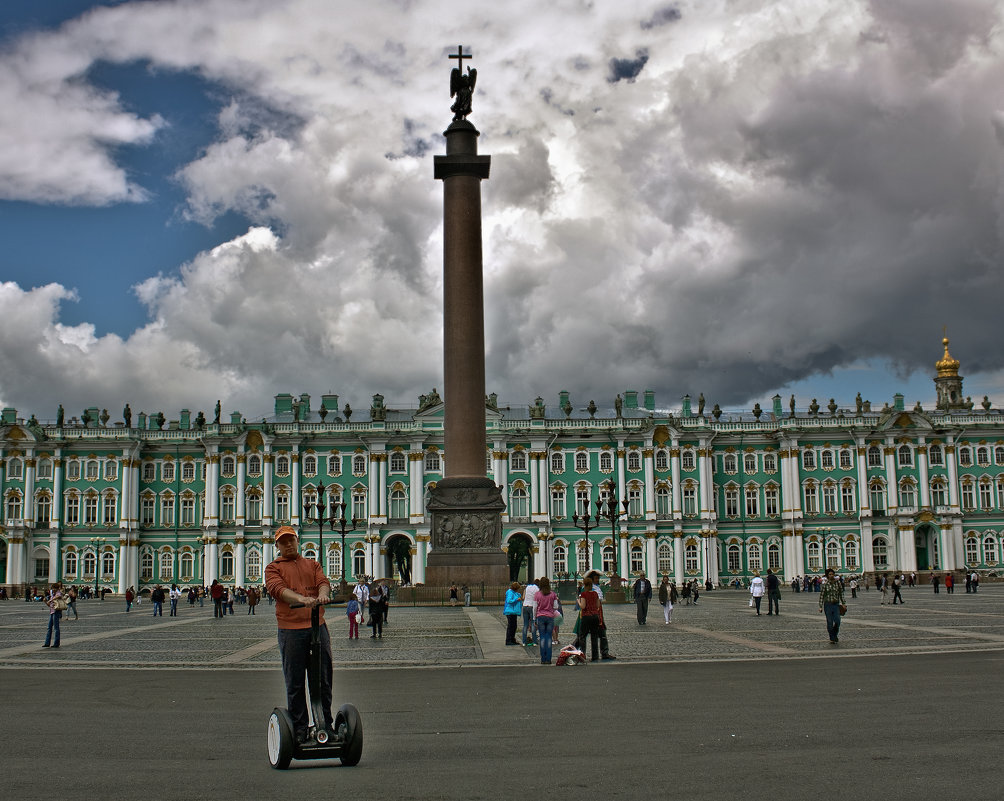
(832, 612)
(528, 624)
(294, 651)
(73, 608)
(158, 608)
(756, 602)
(53, 627)
(174, 607)
(545, 629)
(773, 601)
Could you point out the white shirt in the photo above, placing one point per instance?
(530, 595)
(756, 587)
(362, 593)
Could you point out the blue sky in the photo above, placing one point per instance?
(234, 198)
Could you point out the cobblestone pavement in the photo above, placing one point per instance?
(720, 627)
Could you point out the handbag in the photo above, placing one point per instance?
(843, 609)
(751, 602)
(60, 604)
(359, 617)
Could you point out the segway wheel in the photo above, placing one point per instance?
(349, 726)
(280, 739)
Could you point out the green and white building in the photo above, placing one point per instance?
(708, 496)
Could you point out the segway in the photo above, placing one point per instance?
(346, 742)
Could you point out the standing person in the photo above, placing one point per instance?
(969, 582)
(936, 581)
(157, 598)
(546, 604)
(130, 595)
(854, 587)
(512, 610)
(174, 596)
(467, 594)
(897, 585)
(604, 643)
(453, 594)
(292, 578)
(757, 590)
(949, 583)
(976, 581)
(667, 607)
(376, 610)
(56, 603)
(882, 585)
(831, 602)
(642, 595)
(530, 612)
(590, 607)
(216, 593)
(695, 590)
(362, 593)
(773, 593)
(72, 602)
(385, 592)
(686, 592)
(253, 599)
(229, 599)
(353, 613)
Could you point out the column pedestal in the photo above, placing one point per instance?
(466, 534)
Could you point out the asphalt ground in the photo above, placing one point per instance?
(719, 704)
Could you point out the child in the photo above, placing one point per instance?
(352, 612)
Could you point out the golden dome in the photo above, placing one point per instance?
(947, 366)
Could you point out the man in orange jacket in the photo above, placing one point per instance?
(292, 578)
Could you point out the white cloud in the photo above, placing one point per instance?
(780, 191)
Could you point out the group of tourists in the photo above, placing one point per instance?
(371, 597)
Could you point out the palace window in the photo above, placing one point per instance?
(829, 498)
(519, 504)
(938, 495)
(983, 456)
(13, 506)
(108, 517)
(70, 563)
(634, 502)
(880, 551)
(826, 459)
(188, 566)
(637, 559)
(560, 559)
(111, 470)
(309, 465)
(228, 466)
(936, 456)
(811, 499)
(334, 465)
(282, 466)
(634, 461)
(73, 470)
(432, 462)
(44, 468)
(733, 555)
(582, 501)
(808, 460)
(687, 459)
(874, 456)
(769, 462)
(851, 554)
(254, 465)
(607, 558)
(557, 462)
(188, 510)
(999, 455)
(146, 566)
(968, 496)
(847, 498)
(661, 460)
(167, 471)
(91, 470)
(253, 512)
(227, 565)
(876, 495)
(398, 505)
(359, 562)
(986, 494)
(774, 556)
(188, 471)
(749, 463)
(663, 502)
(359, 504)
(359, 465)
(905, 456)
(965, 456)
(990, 551)
(335, 562)
(907, 494)
(557, 502)
(729, 463)
(731, 501)
(149, 472)
(43, 510)
(1000, 492)
(582, 560)
(755, 556)
(846, 460)
(72, 510)
(228, 507)
(814, 556)
(664, 555)
(832, 554)
(517, 461)
(254, 565)
(770, 498)
(90, 563)
(15, 468)
(91, 510)
(108, 564)
(752, 501)
(972, 551)
(582, 462)
(690, 557)
(690, 501)
(606, 462)
(166, 564)
(398, 463)
(167, 511)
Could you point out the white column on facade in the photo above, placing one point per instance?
(268, 503)
(651, 559)
(125, 495)
(953, 479)
(704, 472)
(213, 490)
(925, 489)
(534, 485)
(213, 562)
(418, 566)
(621, 474)
(864, 498)
(544, 465)
(678, 558)
(891, 490)
(382, 466)
(295, 501)
(28, 508)
(674, 465)
(241, 479)
(239, 570)
(798, 542)
(788, 555)
(867, 554)
(124, 560)
(373, 487)
(648, 455)
(57, 488)
(503, 479)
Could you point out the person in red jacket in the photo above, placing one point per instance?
(292, 578)
(216, 593)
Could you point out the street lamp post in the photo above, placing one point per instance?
(319, 518)
(344, 527)
(97, 543)
(585, 524)
(611, 510)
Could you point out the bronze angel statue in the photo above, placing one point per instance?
(462, 86)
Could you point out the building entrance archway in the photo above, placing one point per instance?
(399, 564)
(926, 547)
(520, 557)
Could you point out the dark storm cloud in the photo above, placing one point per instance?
(627, 69)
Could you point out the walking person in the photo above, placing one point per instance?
(936, 583)
(756, 591)
(512, 610)
(897, 584)
(642, 595)
(57, 603)
(253, 599)
(773, 593)
(854, 588)
(546, 603)
(882, 584)
(216, 593)
(130, 595)
(831, 603)
(355, 616)
(530, 612)
(664, 602)
(453, 594)
(695, 590)
(949, 583)
(71, 599)
(376, 611)
(466, 592)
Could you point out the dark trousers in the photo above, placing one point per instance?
(294, 651)
(589, 627)
(510, 630)
(895, 595)
(773, 602)
(756, 602)
(376, 621)
(642, 603)
(217, 607)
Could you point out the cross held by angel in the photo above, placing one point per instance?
(462, 85)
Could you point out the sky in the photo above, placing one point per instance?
(230, 199)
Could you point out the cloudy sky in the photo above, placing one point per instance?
(233, 198)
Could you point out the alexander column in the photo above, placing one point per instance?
(466, 506)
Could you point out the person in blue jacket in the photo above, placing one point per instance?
(513, 609)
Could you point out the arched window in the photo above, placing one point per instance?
(832, 554)
(188, 471)
(583, 559)
(149, 472)
(936, 455)
(398, 464)
(146, 566)
(166, 471)
(938, 493)
(15, 468)
(846, 460)
(70, 564)
(634, 498)
(334, 561)
(664, 555)
(517, 461)
(519, 504)
(876, 495)
(282, 505)
(72, 516)
(606, 462)
(734, 558)
(811, 494)
(729, 463)
(637, 556)
(999, 455)
(358, 464)
(690, 499)
(254, 465)
(691, 562)
(91, 471)
(359, 563)
(731, 500)
(111, 470)
(359, 504)
(813, 554)
(166, 564)
(826, 459)
(43, 510)
(990, 550)
(752, 500)
(282, 465)
(770, 500)
(874, 456)
(829, 498)
(188, 566)
(847, 497)
(983, 456)
(252, 513)
(14, 507)
(560, 559)
(398, 504)
(108, 564)
(966, 456)
(73, 470)
(228, 466)
(663, 502)
(334, 465)
(749, 463)
(558, 502)
(661, 460)
(754, 556)
(557, 462)
(774, 556)
(228, 506)
(851, 554)
(687, 461)
(905, 456)
(310, 465)
(634, 461)
(972, 551)
(880, 552)
(90, 563)
(227, 565)
(607, 558)
(808, 459)
(769, 462)
(582, 461)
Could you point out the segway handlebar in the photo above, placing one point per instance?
(329, 602)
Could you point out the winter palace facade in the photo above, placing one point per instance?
(708, 496)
